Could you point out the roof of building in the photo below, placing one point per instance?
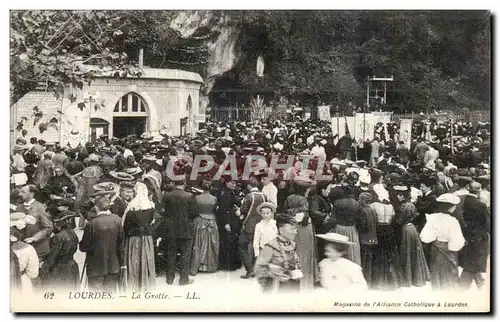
(151, 73)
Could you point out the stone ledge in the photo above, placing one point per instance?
(151, 73)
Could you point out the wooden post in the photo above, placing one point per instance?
(141, 58)
(451, 139)
(368, 91)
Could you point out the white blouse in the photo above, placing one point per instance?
(28, 265)
(341, 275)
(445, 228)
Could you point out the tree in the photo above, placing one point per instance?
(51, 48)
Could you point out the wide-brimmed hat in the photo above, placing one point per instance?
(19, 147)
(102, 193)
(448, 198)
(269, 205)
(122, 176)
(335, 238)
(62, 213)
(400, 188)
(105, 186)
(149, 158)
(133, 171)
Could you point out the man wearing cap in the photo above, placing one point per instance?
(251, 217)
(103, 243)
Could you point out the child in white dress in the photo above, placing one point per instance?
(336, 272)
(266, 230)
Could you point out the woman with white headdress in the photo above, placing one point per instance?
(23, 255)
(139, 245)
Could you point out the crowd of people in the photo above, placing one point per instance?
(393, 214)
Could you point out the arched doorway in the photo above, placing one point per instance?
(130, 116)
(98, 127)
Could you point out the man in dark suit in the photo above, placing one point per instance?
(473, 257)
(251, 218)
(180, 209)
(103, 241)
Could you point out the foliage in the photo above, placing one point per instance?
(439, 59)
(50, 48)
(326, 56)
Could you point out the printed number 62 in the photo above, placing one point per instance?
(48, 295)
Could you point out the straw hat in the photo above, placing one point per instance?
(335, 238)
(266, 205)
(400, 188)
(19, 147)
(448, 198)
(105, 186)
(133, 171)
(122, 176)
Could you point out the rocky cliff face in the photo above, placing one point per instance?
(222, 44)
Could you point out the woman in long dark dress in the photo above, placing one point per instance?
(228, 225)
(367, 229)
(320, 209)
(60, 270)
(413, 263)
(345, 217)
(386, 267)
(205, 252)
(297, 204)
(139, 246)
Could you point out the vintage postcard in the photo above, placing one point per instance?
(250, 161)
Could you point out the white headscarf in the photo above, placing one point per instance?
(141, 200)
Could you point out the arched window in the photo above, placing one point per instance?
(131, 104)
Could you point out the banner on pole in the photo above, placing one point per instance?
(382, 117)
(365, 126)
(405, 126)
(340, 129)
(324, 113)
